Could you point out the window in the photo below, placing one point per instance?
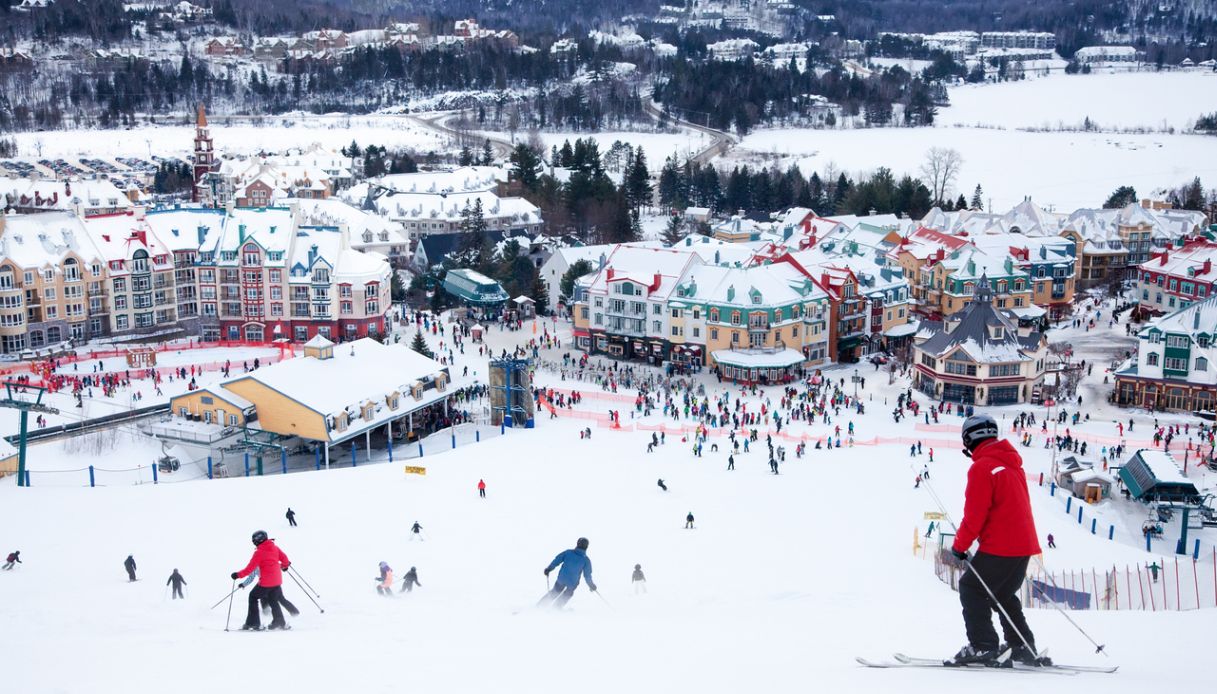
(713, 333)
(735, 318)
(696, 332)
(346, 309)
(1177, 341)
(1202, 364)
(696, 314)
(675, 330)
(657, 309)
(960, 368)
(344, 290)
(734, 338)
(1175, 364)
(676, 313)
(599, 319)
(714, 315)
(1152, 359)
(121, 322)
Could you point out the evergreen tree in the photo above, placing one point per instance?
(978, 198)
(466, 156)
(487, 154)
(674, 231)
(420, 345)
(525, 166)
(669, 186)
(637, 182)
(962, 203)
(566, 285)
(1121, 197)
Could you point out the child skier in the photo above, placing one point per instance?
(283, 601)
(575, 565)
(385, 585)
(639, 580)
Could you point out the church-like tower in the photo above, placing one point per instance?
(204, 154)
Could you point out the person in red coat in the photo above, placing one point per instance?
(997, 512)
(270, 562)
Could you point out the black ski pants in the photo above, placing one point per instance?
(177, 591)
(1004, 576)
(270, 595)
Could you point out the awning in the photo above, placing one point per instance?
(903, 330)
(1029, 312)
(849, 342)
(759, 359)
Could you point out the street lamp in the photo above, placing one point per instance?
(855, 384)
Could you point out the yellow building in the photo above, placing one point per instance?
(8, 458)
(331, 395)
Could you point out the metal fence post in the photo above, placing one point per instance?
(155, 480)
(247, 464)
(354, 455)
(92, 482)
(209, 471)
(284, 452)
(390, 442)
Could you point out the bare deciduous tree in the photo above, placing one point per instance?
(940, 169)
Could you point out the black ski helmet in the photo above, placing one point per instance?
(637, 567)
(582, 543)
(977, 428)
(259, 537)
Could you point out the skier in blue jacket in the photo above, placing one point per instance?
(575, 564)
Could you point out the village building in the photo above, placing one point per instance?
(141, 290)
(1173, 368)
(333, 395)
(980, 355)
(1175, 279)
(82, 197)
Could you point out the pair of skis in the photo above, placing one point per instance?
(1003, 664)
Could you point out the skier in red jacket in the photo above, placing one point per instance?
(997, 511)
(270, 562)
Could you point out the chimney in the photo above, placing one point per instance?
(1207, 267)
(655, 284)
(610, 275)
(241, 233)
(312, 254)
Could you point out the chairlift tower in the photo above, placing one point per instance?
(25, 407)
(511, 402)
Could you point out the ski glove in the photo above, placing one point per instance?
(235, 576)
(961, 556)
(591, 587)
(547, 571)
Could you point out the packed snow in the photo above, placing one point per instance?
(1146, 100)
(785, 579)
(1063, 170)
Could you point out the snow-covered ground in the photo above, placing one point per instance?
(1064, 170)
(991, 126)
(784, 581)
(235, 136)
(1133, 100)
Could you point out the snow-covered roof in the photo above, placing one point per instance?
(185, 228)
(118, 236)
(1200, 317)
(46, 238)
(758, 359)
(980, 332)
(1163, 466)
(1198, 260)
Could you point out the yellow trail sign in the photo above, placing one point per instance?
(415, 470)
(934, 515)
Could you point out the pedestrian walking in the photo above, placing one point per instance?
(730, 462)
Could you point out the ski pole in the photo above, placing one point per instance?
(229, 617)
(292, 569)
(306, 593)
(226, 596)
(606, 602)
(968, 563)
(1098, 648)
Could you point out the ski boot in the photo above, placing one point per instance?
(1025, 656)
(279, 627)
(971, 655)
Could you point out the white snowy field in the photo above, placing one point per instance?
(1064, 170)
(1124, 100)
(784, 581)
(235, 136)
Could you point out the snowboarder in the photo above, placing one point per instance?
(385, 580)
(416, 529)
(662, 485)
(410, 580)
(291, 517)
(1051, 541)
(129, 565)
(13, 558)
(639, 580)
(689, 520)
(997, 511)
(270, 562)
(482, 488)
(177, 581)
(575, 565)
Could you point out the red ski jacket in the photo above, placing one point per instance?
(997, 507)
(271, 563)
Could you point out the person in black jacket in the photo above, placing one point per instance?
(129, 565)
(411, 580)
(13, 558)
(662, 485)
(291, 517)
(177, 581)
